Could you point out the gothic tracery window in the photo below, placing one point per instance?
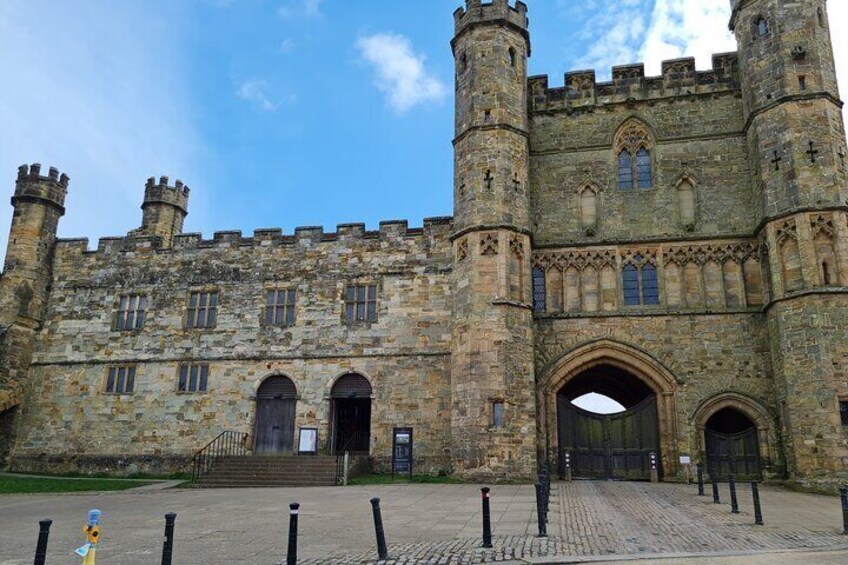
(633, 151)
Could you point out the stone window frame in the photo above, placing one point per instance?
(136, 315)
(631, 138)
(760, 26)
(498, 414)
(202, 377)
(289, 309)
(639, 263)
(113, 379)
(190, 320)
(368, 318)
(540, 289)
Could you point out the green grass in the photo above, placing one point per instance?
(18, 485)
(402, 479)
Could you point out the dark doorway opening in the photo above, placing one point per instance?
(732, 446)
(351, 410)
(275, 413)
(608, 445)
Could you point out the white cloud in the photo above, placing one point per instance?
(253, 91)
(309, 9)
(400, 71)
(287, 45)
(100, 101)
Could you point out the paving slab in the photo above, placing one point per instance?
(425, 524)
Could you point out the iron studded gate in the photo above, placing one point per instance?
(612, 446)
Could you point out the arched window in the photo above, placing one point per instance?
(633, 146)
(761, 26)
(512, 57)
(540, 296)
(640, 283)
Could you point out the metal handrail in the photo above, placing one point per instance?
(227, 444)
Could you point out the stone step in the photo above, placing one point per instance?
(271, 471)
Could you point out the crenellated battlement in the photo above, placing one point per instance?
(629, 83)
(33, 186)
(476, 12)
(393, 230)
(163, 193)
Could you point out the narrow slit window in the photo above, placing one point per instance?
(762, 27)
(497, 414)
(843, 412)
(802, 82)
(539, 290)
(643, 168)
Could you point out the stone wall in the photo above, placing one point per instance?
(405, 354)
(7, 435)
(697, 139)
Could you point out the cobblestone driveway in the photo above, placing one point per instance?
(438, 524)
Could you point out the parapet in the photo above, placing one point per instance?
(476, 12)
(394, 231)
(163, 193)
(32, 186)
(629, 83)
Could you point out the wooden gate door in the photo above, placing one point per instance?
(614, 446)
(733, 454)
(275, 411)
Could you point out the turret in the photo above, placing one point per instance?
(792, 105)
(796, 142)
(39, 202)
(492, 381)
(164, 210)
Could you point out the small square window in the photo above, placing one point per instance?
(132, 309)
(202, 310)
(193, 378)
(361, 303)
(280, 307)
(120, 380)
(497, 414)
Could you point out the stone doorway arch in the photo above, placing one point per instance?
(751, 409)
(635, 362)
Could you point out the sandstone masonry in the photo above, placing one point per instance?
(689, 230)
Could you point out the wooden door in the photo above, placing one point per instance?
(613, 446)
(733, 454)
(275, 426)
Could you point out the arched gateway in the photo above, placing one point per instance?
(616, 445)
(275, 411)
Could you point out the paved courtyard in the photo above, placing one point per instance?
(429, 524)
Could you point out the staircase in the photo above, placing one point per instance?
(271, 471)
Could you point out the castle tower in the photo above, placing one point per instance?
(796, 141)
(493, 384)
(164, 210)
(39, 202)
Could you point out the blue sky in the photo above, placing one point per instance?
(280, 113)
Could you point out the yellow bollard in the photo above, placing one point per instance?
(88, 552)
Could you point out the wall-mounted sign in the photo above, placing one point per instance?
(685, 460)
(308, 441)
(402, 451)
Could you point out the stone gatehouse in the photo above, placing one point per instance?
(678, 243)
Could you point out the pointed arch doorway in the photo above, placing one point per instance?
(619, 445)
(276, 400)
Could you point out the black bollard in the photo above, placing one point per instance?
(700, 481)
(382, 551)
(758, 511)
(734, 503)
(41, 547)
(168, 546)
(540, 511)
(487, 519)
(716, 498)
(291, 556)
(843, 495)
